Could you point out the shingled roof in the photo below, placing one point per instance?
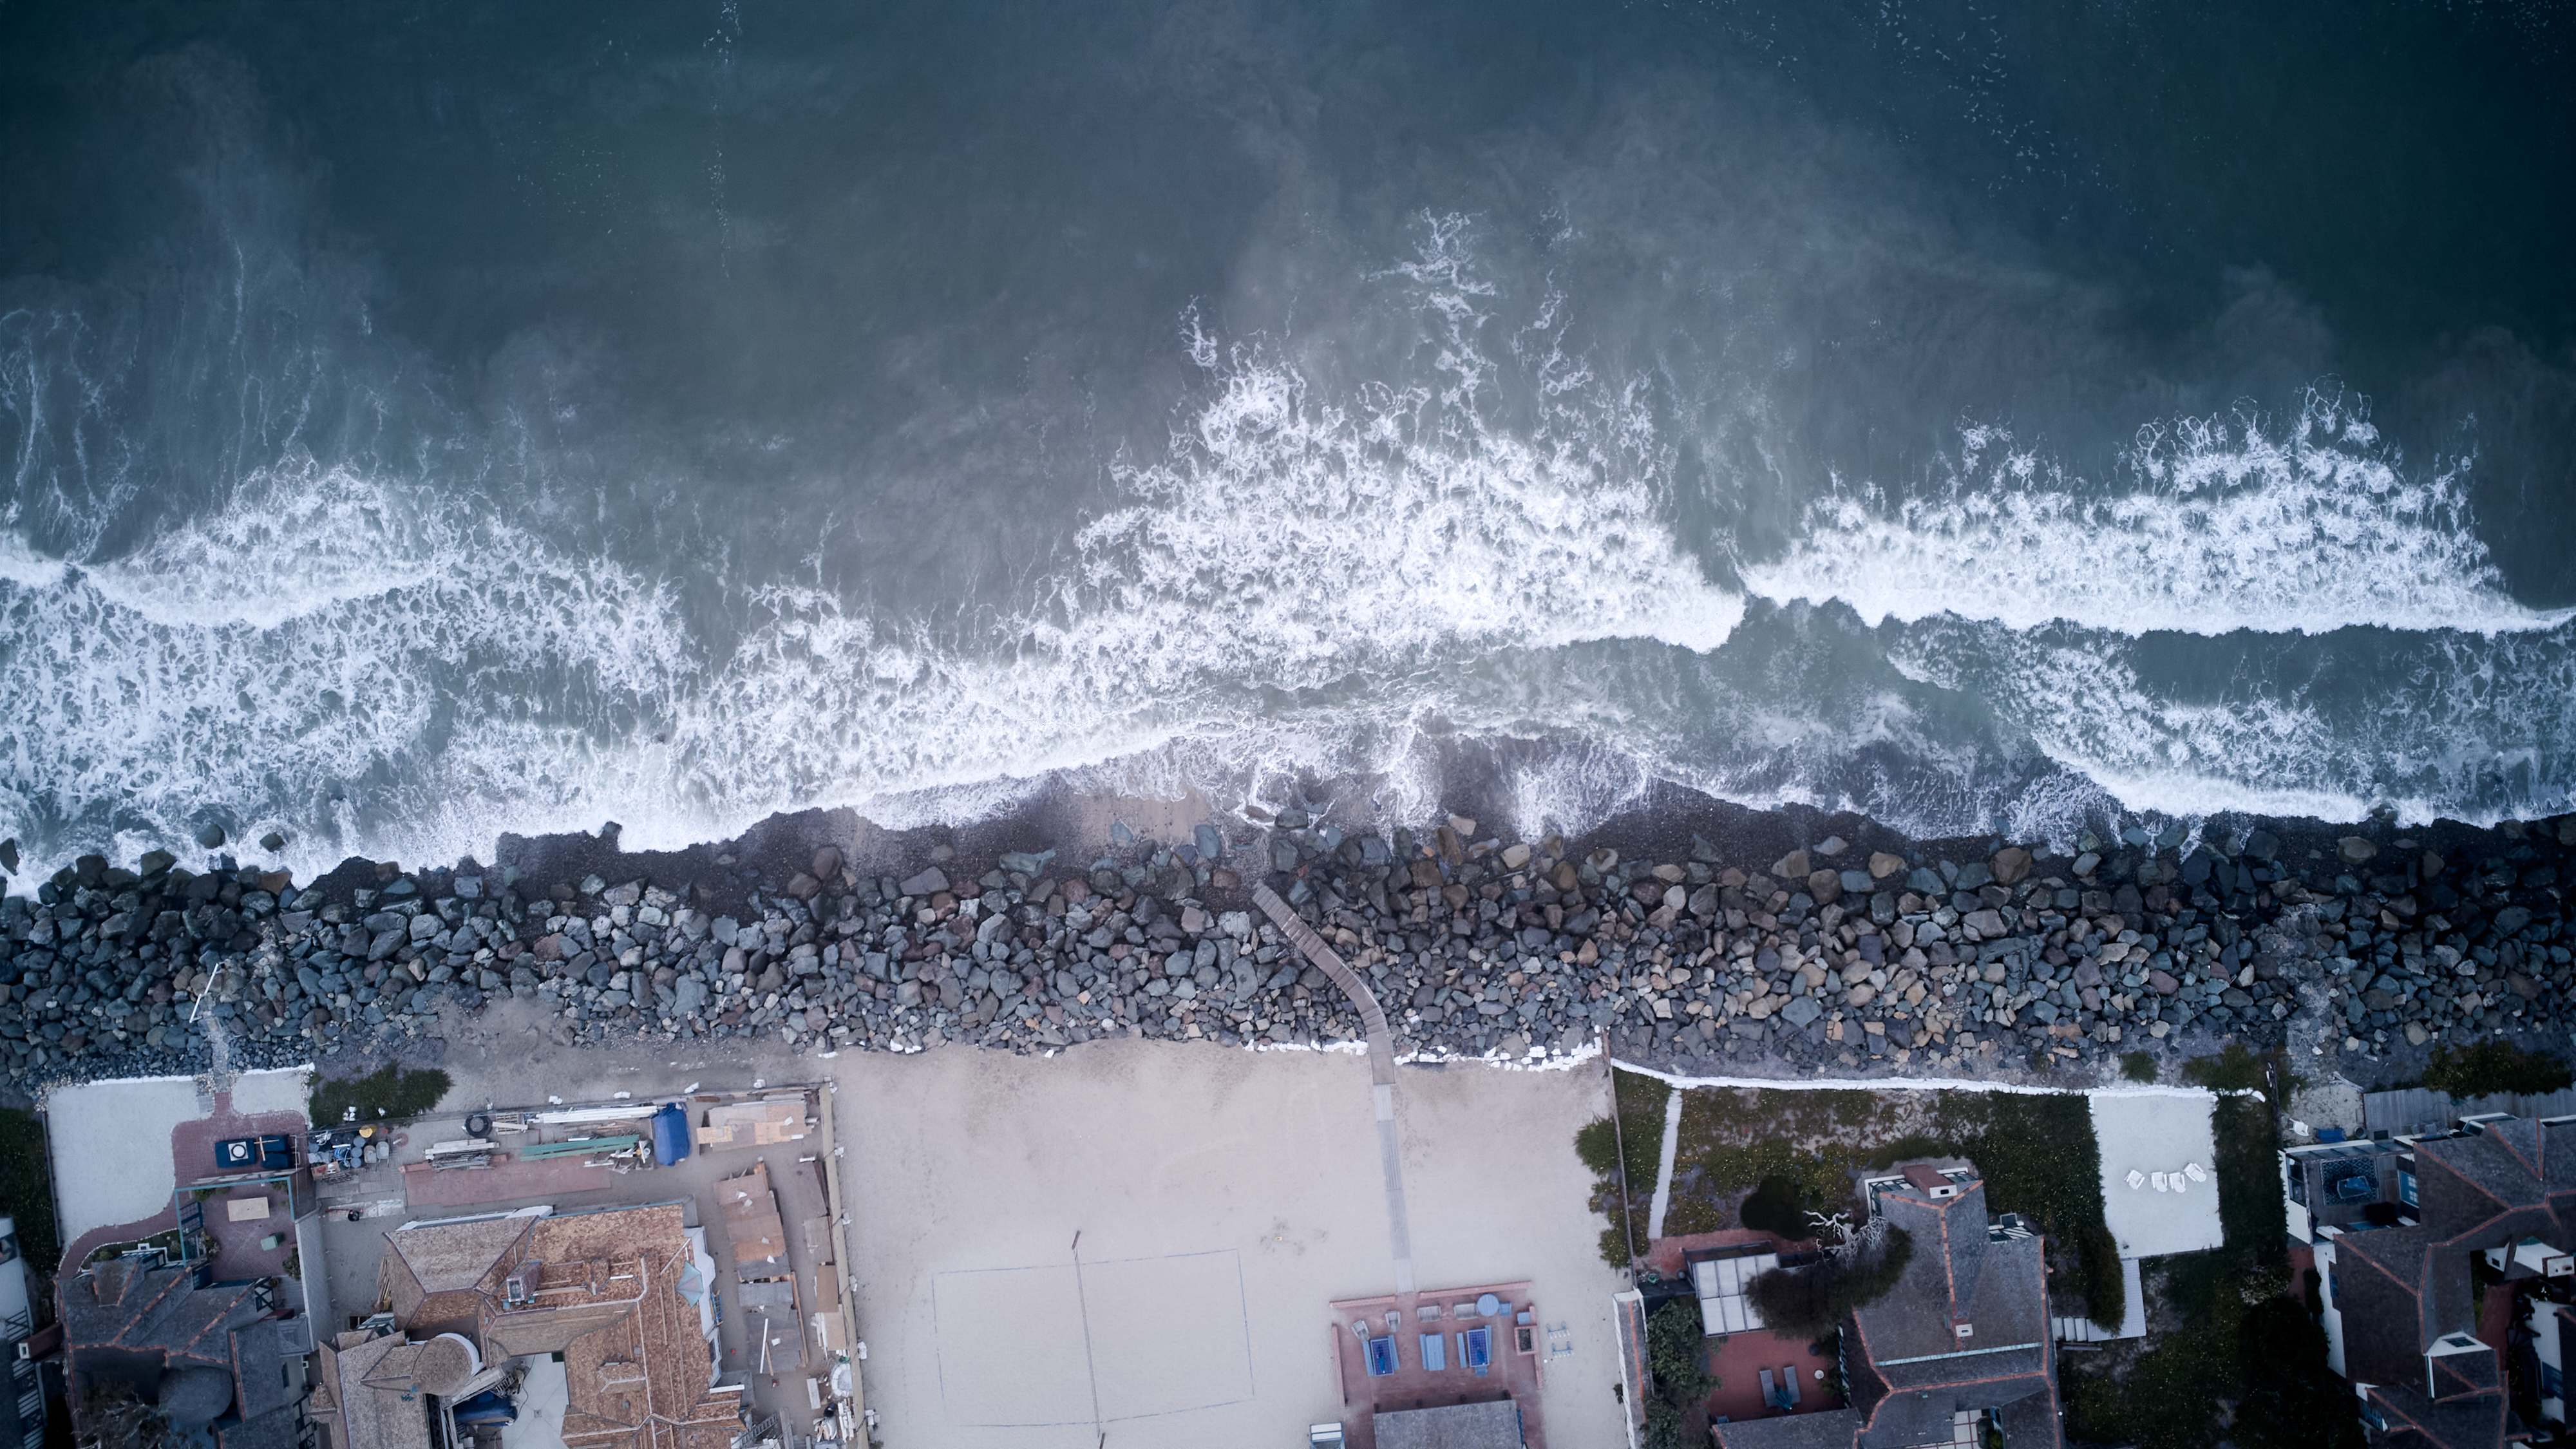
(209, 1356)
(2401, 1291)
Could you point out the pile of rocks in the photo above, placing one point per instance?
(1939, 958)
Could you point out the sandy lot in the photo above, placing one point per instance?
(104, 1188)
(1223, 1200)
(2156, 1132)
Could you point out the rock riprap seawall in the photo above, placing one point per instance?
(1959, 956)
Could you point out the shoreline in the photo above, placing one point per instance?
(1686, 934)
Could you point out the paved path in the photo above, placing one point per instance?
(1381, 1051)
(1664, 1165)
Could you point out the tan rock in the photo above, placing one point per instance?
(1882, 865)
(2010, 865)
(1790, 866)
(1515, 856)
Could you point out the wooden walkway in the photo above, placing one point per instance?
(1381, 1051)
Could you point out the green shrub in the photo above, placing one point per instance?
(2138, 1066)
(2489, 1067)
(1677, 1351)
(1813, 1301)
(386, 1094)
(1597, 1143)
(2106, 1292)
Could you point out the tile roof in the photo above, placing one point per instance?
(363, 1395)
(637, 1365)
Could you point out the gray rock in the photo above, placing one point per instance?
(212, 837)
(1801, 1012)
(2355, 849)
(929, 883)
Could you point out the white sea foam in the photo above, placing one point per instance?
(1293, 584)
(2457, 724)
(315, 641)
(2221, 524)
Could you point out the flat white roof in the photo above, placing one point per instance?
(2150, 1133)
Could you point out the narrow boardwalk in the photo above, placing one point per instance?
(1381, 1051)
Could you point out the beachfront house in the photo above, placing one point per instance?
(2444, 1272)
(1958, 1352)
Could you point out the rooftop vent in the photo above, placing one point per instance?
(520, 1289)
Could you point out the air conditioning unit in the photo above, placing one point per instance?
(520, 1289)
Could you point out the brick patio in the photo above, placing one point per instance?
(1514, 1374)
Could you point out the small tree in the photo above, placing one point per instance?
(1677, 1357)
(1677, 1351)
(1810, 1302)
(2106, 1290)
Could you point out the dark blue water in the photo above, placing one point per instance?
(423, 422)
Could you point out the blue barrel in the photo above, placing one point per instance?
(670, 1134)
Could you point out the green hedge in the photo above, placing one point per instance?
(26, 1190)
(2106, 1292)
(2488, 1067)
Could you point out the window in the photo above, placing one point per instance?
(2406, 1189)
(2553, 1384)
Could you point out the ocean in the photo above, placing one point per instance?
(425, 422)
